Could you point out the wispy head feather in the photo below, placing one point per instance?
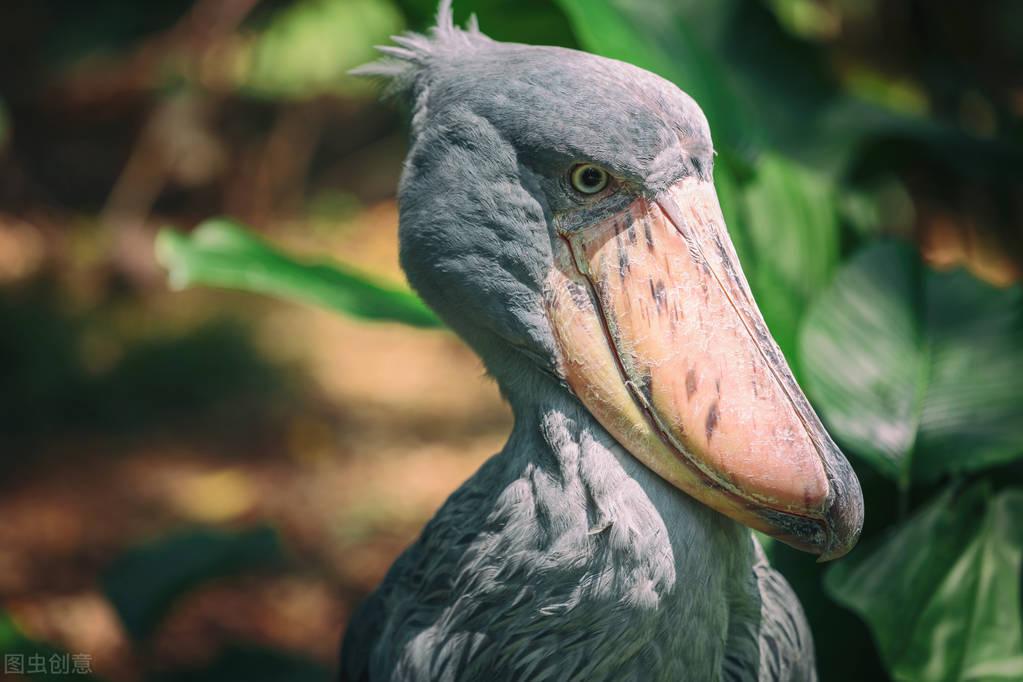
(407, 62)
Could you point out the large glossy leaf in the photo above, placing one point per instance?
(863, 356)
(790, 220)
(941, 593)
(972, 413)
(143, 583)
(783, 221)
(916, 371)
(222, 253)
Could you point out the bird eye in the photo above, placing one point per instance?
(588, 178)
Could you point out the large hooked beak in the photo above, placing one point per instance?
(662, 342)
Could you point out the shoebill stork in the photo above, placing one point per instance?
(557, 210)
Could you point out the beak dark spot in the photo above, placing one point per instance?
(623, 259)
(690, 383)
(712, 420)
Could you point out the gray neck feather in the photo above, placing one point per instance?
(565, 558)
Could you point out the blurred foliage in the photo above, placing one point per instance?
(221, 253)
(5, 125)
(144, 582)
(104, 26)
(70, 371)
(535, 21)
(309, 47)
(787, 221)
(13, 642)
(252, 665)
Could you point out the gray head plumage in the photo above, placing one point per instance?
(410, 57)
(405, 67)
(494, 128)
(548, 98)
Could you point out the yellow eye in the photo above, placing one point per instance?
(589, 179)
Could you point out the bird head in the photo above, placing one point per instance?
(558, 210)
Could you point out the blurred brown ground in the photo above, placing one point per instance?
(390, 421)
(347, 441)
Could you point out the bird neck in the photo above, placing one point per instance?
(584, 482)
(607, 546)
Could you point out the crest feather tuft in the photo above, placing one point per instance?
(405, 64)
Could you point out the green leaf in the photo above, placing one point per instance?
(916, 371)
(783, 221)
(972, 414)
(863, 356)
(790, 217)
(18, 649)
(143, 583)
(661, 38)
(221, 253)
(941, 593)
(309, 46)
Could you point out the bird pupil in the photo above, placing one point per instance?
(591, 177)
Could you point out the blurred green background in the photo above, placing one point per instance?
(201, 484)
